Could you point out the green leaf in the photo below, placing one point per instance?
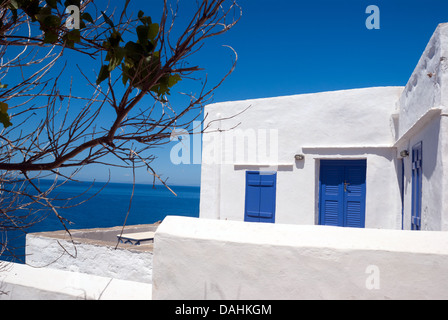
(14, 4)
(3, 107)
(4, 117)
(14, 15)
(86, 16)
(104, 74)
(153, 31)
(143, 34)
(108, 21)
(5, 120)
(162, 87)
(74, 35)
(50, 37)
(115, 58)
(134, 51)
(52, 21)
(144, 19)
(115, 39)
(173, 79)
(3, 86)
(149, 47)
(165, 83)
(52, 3)
(43, 14)
(72, 3)
(125, 78)
(31, 8)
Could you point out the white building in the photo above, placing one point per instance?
(373, 158)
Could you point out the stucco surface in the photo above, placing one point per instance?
(348, 124)
(23, 282)
(423, 111)
(375, 124)
(92, 251)
(211, 259)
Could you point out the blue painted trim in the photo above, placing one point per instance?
(260, 199)
(402, 194)
(335, 198)
(417, 172)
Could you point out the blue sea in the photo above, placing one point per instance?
(108, 208)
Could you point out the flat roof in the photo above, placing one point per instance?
(105, 236)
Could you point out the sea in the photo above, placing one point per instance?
(107, 206)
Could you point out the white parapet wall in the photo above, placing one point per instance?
(92, 256)
(22, 282)
(216, 259)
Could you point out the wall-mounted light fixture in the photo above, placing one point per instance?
(404, 153)
(299, 157)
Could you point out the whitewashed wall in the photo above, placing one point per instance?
(350, 124)
(212, 259)
(23, 282)
(100, 260)
(423, 110)
(427, 85)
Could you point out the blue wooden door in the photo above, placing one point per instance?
(260, 196)
(342, 197)
(416, 186)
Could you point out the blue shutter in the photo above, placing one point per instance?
(355, 196)
(252, 197)
(342, 193)
(332, 179)
(260, 197)
(417, 158)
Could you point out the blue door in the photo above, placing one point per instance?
(416, 186)
(342, 195)
(260, 196)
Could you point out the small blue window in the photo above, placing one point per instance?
(260, 196)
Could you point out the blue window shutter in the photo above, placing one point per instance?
(252, 197)
(260, 197)
(417, 169)
(267, 197)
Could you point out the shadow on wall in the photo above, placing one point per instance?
(282, 167)
(430, 146)
(352, 152)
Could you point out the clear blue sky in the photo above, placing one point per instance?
(290, 47)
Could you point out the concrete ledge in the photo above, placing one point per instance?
(22, 282)
(215, 259)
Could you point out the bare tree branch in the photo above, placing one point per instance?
(57, 126)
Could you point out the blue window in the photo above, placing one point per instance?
(342, 195)
(417, 158)
(260, 196)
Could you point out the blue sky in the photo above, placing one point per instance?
(290, 47)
